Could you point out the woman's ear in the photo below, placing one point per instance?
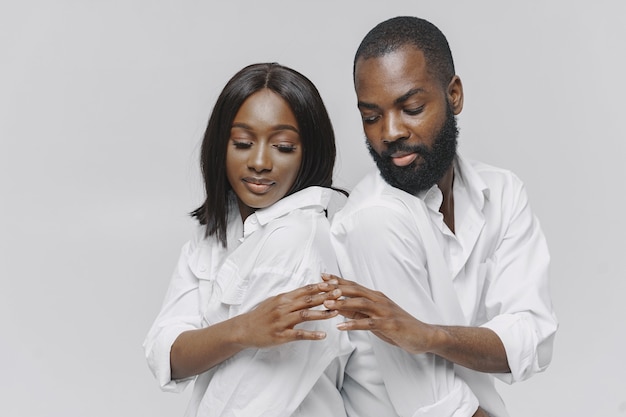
(455, 94)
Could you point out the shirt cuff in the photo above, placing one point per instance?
(519, 341)
(459, 402)
(157, 350)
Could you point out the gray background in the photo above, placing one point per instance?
(102, 108)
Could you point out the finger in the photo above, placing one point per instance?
(301, 316)
(341, 281)
(313, 300)
(351, 315)
(312, 289)
(360, 305)
(290, 320)
(301, 297)
(367, 323)
(329, 277)
(291, 335)
(349, 288)
(327, 286)
(354, 290)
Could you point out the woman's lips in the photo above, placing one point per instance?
(402, 159)
(258, 185)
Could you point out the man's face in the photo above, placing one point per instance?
(408, 118)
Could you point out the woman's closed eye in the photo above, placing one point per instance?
(240, 144)
(285, 147)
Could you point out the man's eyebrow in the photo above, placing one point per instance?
(404, 97)
(368, 106)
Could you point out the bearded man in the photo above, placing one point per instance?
(444, 267)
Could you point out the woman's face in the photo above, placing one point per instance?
(264, 151)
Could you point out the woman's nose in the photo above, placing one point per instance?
(260, 158)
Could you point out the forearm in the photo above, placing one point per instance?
(475, 348)
(196, 351)
(271, 323)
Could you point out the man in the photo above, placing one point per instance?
(445, 268)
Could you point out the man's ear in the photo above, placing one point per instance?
(455, 94)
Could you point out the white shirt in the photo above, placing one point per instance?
(498, 262)
(277, 249)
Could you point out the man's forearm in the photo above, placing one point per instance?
(475, 348)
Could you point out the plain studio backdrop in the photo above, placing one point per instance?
(102, 108)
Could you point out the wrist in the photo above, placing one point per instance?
(441, 339)
(237, 332)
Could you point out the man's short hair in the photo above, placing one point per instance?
(394, 33)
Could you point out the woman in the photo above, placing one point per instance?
(241, 315)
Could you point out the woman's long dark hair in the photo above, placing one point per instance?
(316, 135)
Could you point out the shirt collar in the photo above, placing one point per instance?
(476, 187)
(312, 197)
(464, 176)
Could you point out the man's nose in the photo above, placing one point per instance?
(393, 129)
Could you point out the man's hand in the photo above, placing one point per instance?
(372, 310)
(477, 348)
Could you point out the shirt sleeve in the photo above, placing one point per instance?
(179, 312)
(518, 301)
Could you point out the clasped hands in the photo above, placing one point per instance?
(364, 309)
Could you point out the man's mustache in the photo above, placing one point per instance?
(400, 146)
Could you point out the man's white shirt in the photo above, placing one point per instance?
(497, 260)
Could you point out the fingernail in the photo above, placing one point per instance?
(342, 326)
(329, 303)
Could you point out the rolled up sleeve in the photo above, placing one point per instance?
(518, 302)
(179, 312)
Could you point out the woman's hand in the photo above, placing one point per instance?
(272, 322)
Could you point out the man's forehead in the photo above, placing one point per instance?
(396, 73)
(394, 59)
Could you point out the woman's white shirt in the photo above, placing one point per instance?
(277, 249)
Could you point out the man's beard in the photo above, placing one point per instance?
(426, 171)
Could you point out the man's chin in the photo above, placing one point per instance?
(407, 178)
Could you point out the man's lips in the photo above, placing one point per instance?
(402, 159)
(258, 185)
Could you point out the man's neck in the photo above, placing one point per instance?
(447, 206)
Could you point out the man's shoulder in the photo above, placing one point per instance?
(372, 190)
(483, 168)
(371, 200)
(481, 174)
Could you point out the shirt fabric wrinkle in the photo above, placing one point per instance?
(276, 249)
(491, 264)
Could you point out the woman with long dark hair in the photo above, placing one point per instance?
(242, 314)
